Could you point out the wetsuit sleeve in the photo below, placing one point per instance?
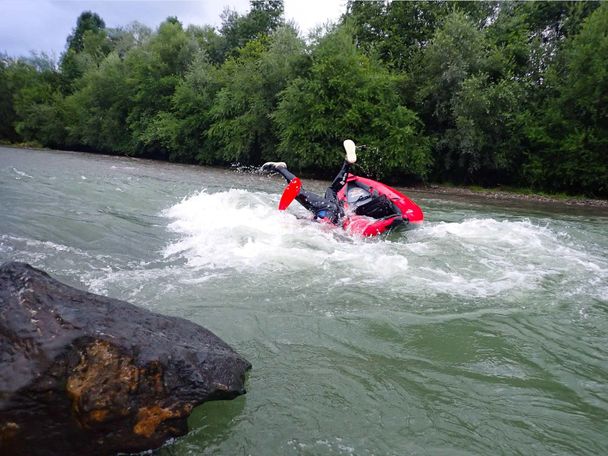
(340, 178)
(288, 175)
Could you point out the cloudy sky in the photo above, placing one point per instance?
(43, 25)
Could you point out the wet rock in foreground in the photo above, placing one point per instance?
(85, 374)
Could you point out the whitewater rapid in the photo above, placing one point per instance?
(477, 257)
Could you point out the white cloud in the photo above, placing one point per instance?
(44, 25)
(311, 13)
(29, 25)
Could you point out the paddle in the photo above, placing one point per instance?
(290, 193)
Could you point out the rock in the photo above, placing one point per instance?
(85, 374)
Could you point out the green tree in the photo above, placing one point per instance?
(38, 102)
(570, 135)
(530, 34)
(263, 18)
(154, 71)
(472, 104)
(399, 30)
(210, 41)
(97, 112)
(183, 130)
(482, 92)
(485, 143)
(87, 22)
(346, 94)
(7, 90)
(86, 46)
(457, 50)
(242, 127)
(124, 39)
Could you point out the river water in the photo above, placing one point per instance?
(483, 332)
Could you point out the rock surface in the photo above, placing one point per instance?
(85, 374)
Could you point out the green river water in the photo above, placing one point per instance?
(483, 332)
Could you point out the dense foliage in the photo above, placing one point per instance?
(488, 93)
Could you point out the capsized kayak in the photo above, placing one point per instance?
(373, 208)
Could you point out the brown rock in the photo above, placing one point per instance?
(85, 374)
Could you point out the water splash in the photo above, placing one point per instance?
(475, 257)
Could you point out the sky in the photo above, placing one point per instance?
(44, 25)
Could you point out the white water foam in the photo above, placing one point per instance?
(485, 257)
(33, 250)
(243, 230)
(473, 258)
(21, 173)
(101, 274)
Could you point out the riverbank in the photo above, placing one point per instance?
(450, 191)
(508, 195)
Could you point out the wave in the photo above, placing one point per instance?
(477, 257)
(21, 173)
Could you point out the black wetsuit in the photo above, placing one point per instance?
(327, 207)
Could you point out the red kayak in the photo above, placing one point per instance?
(372, 207)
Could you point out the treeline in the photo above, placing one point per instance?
(487, 93)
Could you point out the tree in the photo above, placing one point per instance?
(456, 51)
(210, 41)
(38, 104)
(399, 30)
(97, 112)
(183, 130)
(570, 136)
(346, 94)
(530, 34)
(471, 101)
(263, 18)
(154, 71)
(86, 46)
(475, 92)
(123, 39)
(86, 22)
(7, 88)
(242, 110)
(484, 145)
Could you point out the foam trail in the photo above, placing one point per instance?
(486, 257)
(475, 258)
(21, 173)
(244, 230)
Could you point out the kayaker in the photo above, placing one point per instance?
(326, 208)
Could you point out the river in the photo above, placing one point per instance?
(483, 332)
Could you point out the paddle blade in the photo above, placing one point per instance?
(290, 193)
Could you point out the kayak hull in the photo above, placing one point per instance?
(359, 190)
